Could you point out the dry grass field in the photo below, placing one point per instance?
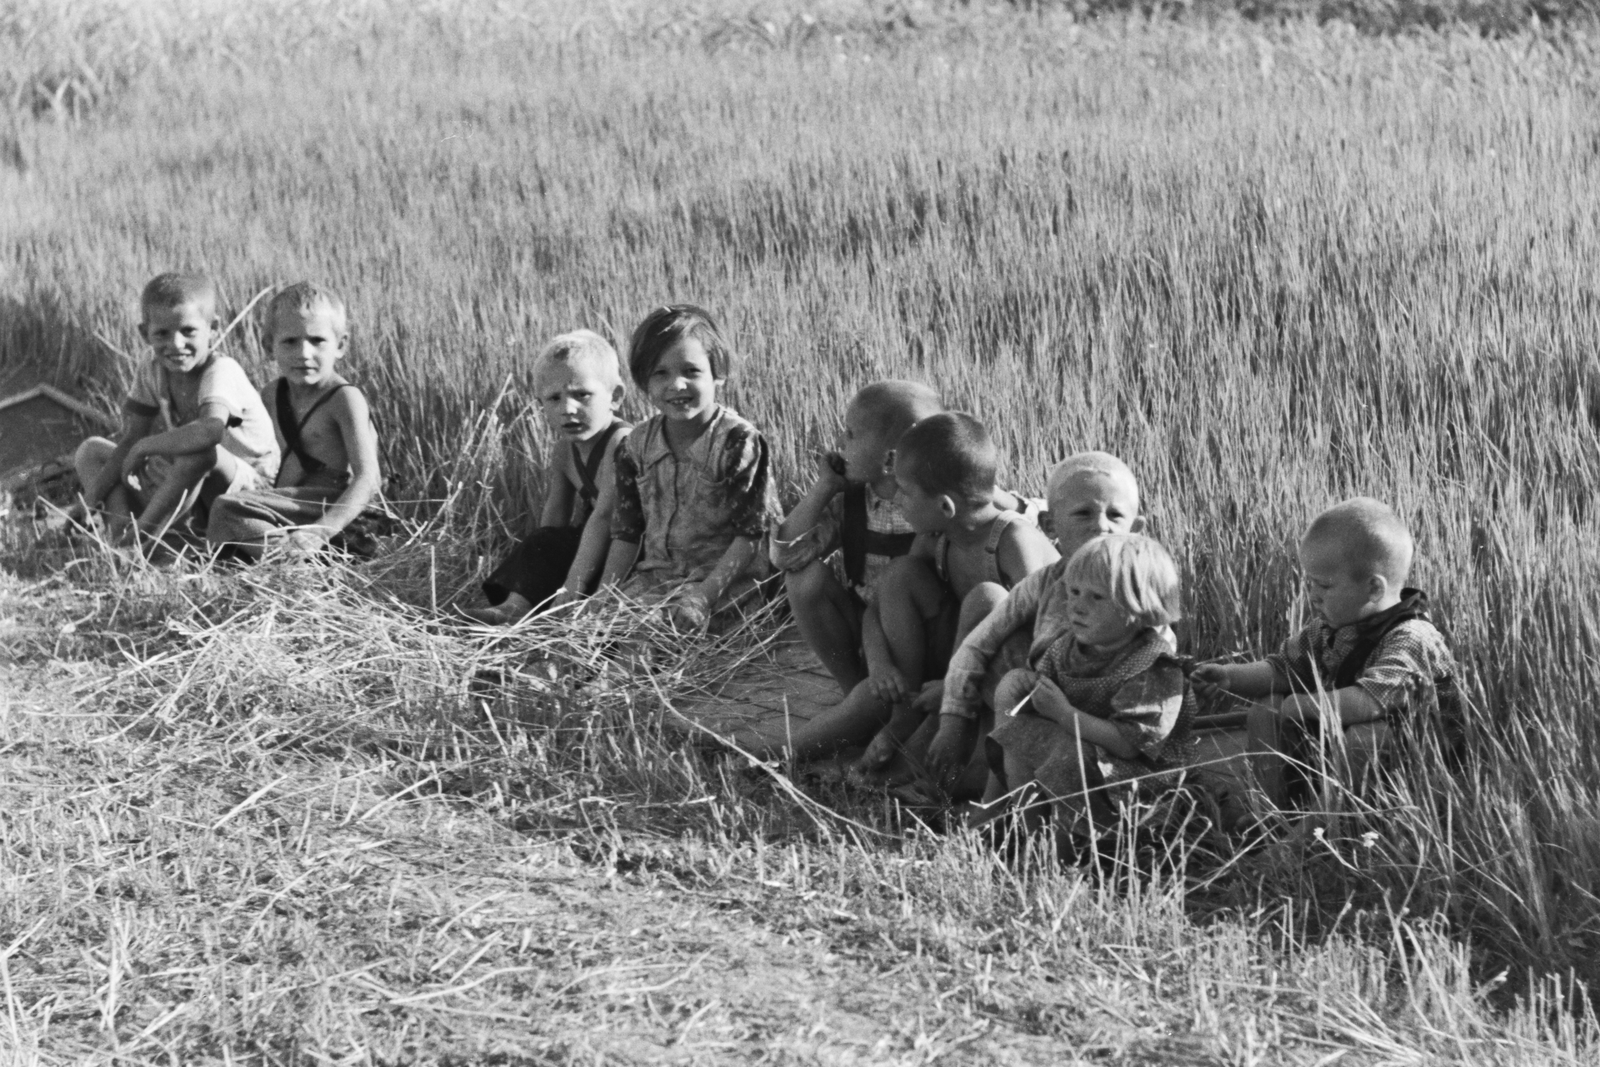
(284, 816)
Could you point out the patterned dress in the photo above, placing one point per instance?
(685, 511)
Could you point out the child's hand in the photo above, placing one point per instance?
(691, 612)
(890, 687)
(951, 748)
(304, 544)
(830, 471)
(564, 597)
(1051, 703)
(930, 697)
(1210, 680)
(134, 459)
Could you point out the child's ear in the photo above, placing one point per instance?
(1377, 588)
(1137, 525)
(947, 507)
(144, 333)
(617, 393)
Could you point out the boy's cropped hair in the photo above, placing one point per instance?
(177, 289)
(665, 327)
(1371, 538)
(954, 456)
(1137, 572)
(303, 296)
(582, 346)
(1088, 463)
(896, 405)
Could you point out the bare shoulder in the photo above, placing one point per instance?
(1023, 549)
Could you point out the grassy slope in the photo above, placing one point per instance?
(1270, 267)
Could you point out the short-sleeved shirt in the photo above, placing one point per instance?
(249, 433)
(685, 512)
(1413, 655)
(827, 537)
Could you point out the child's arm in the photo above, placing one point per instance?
(559, 496)
(205, 432)
(1023, 549)
(958, 712)
(1051, 703)
(1249, 680)
(354, 420)
(594, 546)
(813, 507)
(743, 468)
(1351, 705)
(627, 519)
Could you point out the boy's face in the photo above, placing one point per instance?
(1088, 504)
(925, 512)
(681, 384)
(306, 343)
(1332, 585)
(180, 336)
(1095, 618)
(863, 447)
(578, 398)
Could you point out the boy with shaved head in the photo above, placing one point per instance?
(217, 436)
(1371, 656)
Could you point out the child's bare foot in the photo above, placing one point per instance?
(508, 611)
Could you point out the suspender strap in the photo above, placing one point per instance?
(1413, 605)
(589, 488)
(857, 542)
(991, 547)
(290, 427)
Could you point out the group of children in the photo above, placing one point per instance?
(996, 648)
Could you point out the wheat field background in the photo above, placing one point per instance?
(1269, 264)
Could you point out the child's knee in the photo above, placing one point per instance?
(983, 599)
(1263, 723)
(91, 458)
(910, 580)
(1014, 688)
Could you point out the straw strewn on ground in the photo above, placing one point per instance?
(1270, 266)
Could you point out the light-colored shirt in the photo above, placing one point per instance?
(1410, 658)
(827, 537)
(249, 433)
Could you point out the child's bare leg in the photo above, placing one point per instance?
(180, 488)
(90, 462)
(1266, 761)
(913, 609)
(829, 618)
(983, 599)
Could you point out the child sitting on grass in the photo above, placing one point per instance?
(850, 519)
(330, 473)
(967, 553)
(579, 385)
(694, 491)
(218, 437)
(1371, 657)
(1106, 702)
(1090, 494)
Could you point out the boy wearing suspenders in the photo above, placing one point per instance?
(579, 383)
(330, 474)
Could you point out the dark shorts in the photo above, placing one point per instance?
(537, 568)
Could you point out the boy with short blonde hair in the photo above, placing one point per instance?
(330, 471)
(1371, 657)
(1090, 494)
(218, 436)
(578, 381)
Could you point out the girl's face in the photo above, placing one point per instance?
(863, 446)
(681, 384)
(1096, 619)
